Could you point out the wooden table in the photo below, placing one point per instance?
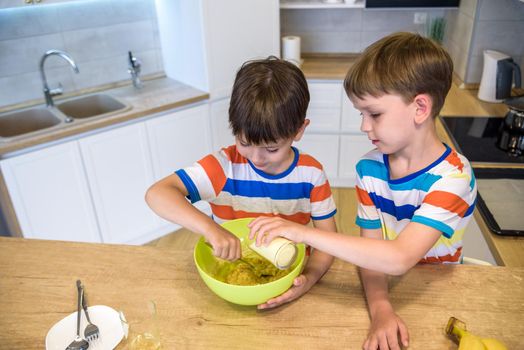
(37, 289)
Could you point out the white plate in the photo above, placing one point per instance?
(107, 320)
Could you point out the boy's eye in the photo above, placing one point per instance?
(375, 115)
(271, 150)
(244, 144)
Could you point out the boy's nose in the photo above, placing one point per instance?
(365, 126)
(256, 157)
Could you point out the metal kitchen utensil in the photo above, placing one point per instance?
(91, 332)
(79, 343)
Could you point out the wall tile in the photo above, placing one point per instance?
(463, 31)
(329, 20)
(507, 10)
(94, 32)
(327, 42)
(388, 20)
(104, 42)
(468, 7)
(95, 13)
(23, 22)
(29, 86)
(113, 69)
(499, 35)
(23, 55)
(368, 38)
(475, 67)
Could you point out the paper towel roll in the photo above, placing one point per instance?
(291, 49)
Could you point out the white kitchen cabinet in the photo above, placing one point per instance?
(119, 171)
(333, 135)
(350, 119)
(324, 107)
(179, 139)
(352, 148)
(323, 148)
(204, 42)
(222, 134)
(92, 189)
(50, 194)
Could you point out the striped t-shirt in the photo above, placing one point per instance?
(441, 196)
(236, 189)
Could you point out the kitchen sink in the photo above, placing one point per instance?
(25, 121)
(92, 106)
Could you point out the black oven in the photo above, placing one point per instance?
(499, 174)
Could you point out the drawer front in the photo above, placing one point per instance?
(324, 107)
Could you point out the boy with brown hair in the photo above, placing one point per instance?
(415, 194)
(261, 175)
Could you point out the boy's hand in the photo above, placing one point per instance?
(268, 228)
(300, 286)
(386, 332)
(225, 244)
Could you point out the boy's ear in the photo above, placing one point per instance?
(300, 132)
(423, 104)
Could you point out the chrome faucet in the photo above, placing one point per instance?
(49, 93)
(134, 70)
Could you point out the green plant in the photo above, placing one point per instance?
(437, 28)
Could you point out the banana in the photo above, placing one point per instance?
(456, 329)
(469, 341)
(493, 344)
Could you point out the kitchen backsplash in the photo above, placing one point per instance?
(347, 30)
(475, 26)
(96, 33)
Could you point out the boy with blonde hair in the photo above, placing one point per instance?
(415, 194)
(262, 174)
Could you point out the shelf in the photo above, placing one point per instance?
(319, 4)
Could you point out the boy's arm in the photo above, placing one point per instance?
(167, 198)
(319, 262)
(317, 265)
(394, 257)
(386, 327)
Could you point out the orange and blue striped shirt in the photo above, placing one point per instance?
(441, 196)
(236, 189)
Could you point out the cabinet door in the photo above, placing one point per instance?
(179, 139)
(50, 194)
(237, 31)
(350, 120)
(352, 147)
(475, 245)
(222, 134)
(324, 107)
(324, 148)
(119, 171)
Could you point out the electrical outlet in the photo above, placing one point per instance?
(420, 18)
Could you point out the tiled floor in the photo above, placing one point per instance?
(345, 199)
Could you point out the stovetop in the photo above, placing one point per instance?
(500, 189)
(476, 137)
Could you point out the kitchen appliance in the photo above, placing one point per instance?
(500, 198)
(499, 171)
(511, 134)
(498, 74)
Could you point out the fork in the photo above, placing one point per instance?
(91, 332)
(78, 343)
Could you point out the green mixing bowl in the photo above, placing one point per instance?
(243, 295)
